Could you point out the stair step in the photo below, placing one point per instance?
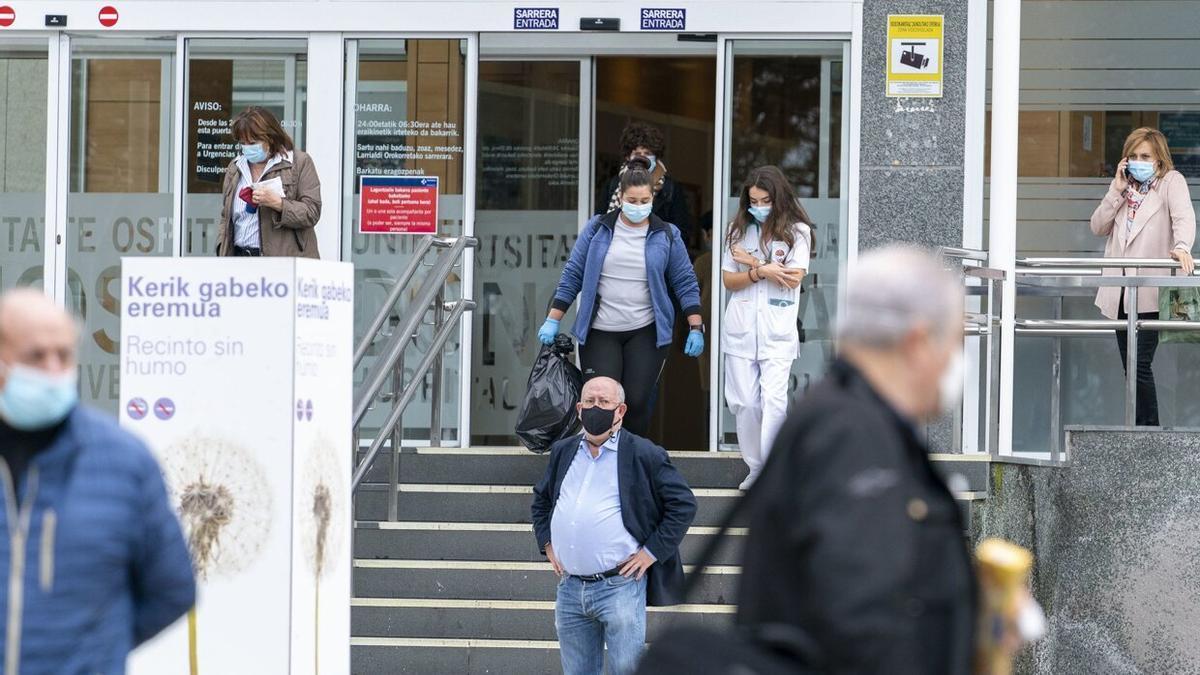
(518, 466)
(499, 619)
(415, 656)
(492, 580)
(964, 473)
(495, 503)
(495, 542)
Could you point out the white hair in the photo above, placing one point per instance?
(606, 380)
(894, 290)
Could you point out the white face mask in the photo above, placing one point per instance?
(950, 386)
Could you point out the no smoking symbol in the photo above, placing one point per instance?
(164, 408)
(137, 408)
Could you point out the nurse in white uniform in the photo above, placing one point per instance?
(767, 252)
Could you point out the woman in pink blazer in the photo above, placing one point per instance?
(1147, 213)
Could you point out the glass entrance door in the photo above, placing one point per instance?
(783, 106)
(531, 197)
(405, 103)
(120, 176)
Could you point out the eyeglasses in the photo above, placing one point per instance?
(601, 401)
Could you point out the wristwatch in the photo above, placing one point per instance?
(699, 327)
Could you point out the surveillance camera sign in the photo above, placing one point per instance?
(914, 57)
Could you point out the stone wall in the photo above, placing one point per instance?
(1117, 539)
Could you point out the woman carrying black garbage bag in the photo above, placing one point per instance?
(624, 268)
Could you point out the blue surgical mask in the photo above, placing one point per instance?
(254, 153)
(33, 399)
(760, 213)
(636, 213)
(649, 158)
(1141, 171)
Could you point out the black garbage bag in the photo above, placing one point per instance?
(548, 411)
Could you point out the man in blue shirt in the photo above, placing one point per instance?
(609, 514)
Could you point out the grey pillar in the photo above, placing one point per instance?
(912, 149)
(911, 156)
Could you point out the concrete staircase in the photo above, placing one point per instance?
(457, 585)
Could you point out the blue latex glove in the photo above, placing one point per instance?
(695, 344)
(547, 332)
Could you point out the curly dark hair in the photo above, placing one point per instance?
(642, 134)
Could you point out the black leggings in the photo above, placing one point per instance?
(632, 358)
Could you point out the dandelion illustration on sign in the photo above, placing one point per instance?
(220, 492)
(322, 505)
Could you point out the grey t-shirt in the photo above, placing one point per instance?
(624, 291)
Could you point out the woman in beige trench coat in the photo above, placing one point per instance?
(1147, 213)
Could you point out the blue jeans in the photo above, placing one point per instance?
(591, 614)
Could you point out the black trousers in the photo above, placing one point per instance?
(633, 359)
(1147, 344)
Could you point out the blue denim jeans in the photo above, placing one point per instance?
(592, 614)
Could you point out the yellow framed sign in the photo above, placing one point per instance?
(914, 56)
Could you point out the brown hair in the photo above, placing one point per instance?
(786, 210)
(1157, 141)
(636, 174)
(640, 134)
(259, 124)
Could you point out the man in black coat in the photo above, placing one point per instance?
(856, 554)
(610, 514)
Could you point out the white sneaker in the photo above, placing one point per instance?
(748, 482)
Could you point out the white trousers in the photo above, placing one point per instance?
(757, 394)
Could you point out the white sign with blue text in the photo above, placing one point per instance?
(664, 18)
(535, 18)
(237, 373)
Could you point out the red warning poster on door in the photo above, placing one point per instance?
(398, 204)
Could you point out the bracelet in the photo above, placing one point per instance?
(751, 275)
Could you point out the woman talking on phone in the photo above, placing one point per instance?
(624, 268)
(768, 246)
(1147, 213)
(271, 196)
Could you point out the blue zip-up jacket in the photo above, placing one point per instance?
(668, 270)
(92, 559)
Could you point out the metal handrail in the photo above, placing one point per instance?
(1097, 262)
(1083, 273)
(444, 332)
(960, 253)
(392, 349)
(423, 245)
(390, 363)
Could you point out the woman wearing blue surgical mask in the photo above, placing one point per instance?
(624, 268)
(1147, 213)
(639, 139)
(767, 251)
(271, 195)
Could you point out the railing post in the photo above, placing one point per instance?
(1056, 393)
(393, 497)
(1131, 350)
(435, 391)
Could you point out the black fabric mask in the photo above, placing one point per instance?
(596, 420)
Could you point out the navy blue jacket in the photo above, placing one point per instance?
(657, 507)
(667, 265)
(105, 566)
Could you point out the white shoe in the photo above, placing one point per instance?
(748, 482)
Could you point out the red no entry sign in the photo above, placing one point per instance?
(108, 16)
(7, 16)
